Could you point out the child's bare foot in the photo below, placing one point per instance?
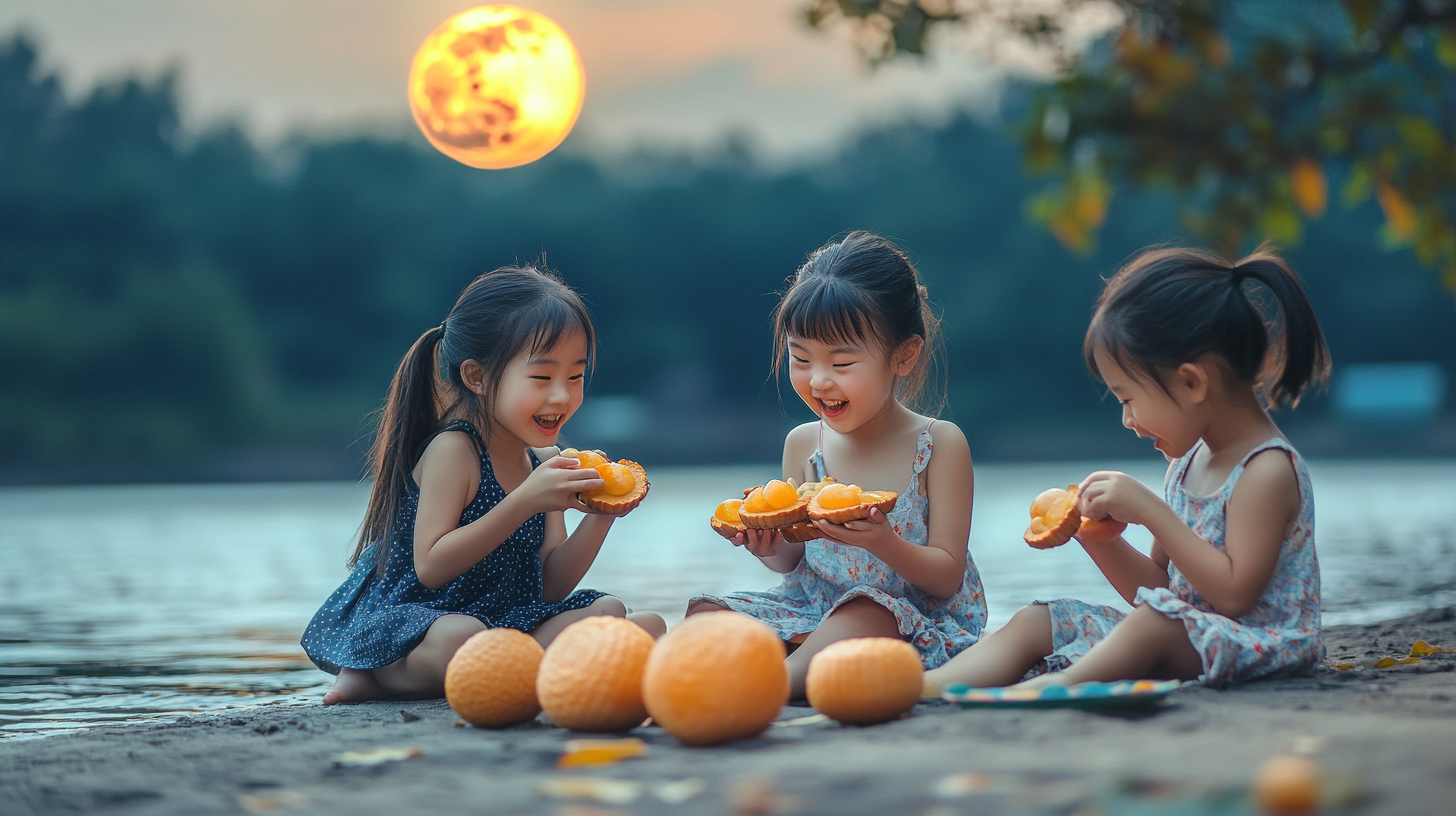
(354, 686)
(1043, 681)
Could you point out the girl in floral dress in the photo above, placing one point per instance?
(1230, 590)
(859, 335)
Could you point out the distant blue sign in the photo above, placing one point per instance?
(1390, 392)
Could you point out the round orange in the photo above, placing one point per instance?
(491, 680)
(1099, 532)
(728, 511)
(754, 502)
(718, 676)
(863, 681)
(591, 676)
(618, 478)
(780, 494)
(1287, 785)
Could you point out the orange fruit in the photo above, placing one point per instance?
(1287, 785)
(754, 502)
(618, 478)
(863, 681)
(779, 494)
(718, 676)
(1054, 518)
(1098, 532)
(728, 511)
(839, 496)
(491, 680)
(591, 676)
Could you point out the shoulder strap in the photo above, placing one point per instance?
(924, 444)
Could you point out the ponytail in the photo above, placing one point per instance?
(1170, 306)
(1302, 359)
(499, 315)
(410, 414)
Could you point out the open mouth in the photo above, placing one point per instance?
(548, 423)
(833, 408)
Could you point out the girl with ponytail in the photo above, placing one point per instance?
(1230, 590)
(464, 530)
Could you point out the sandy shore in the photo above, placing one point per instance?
(1385, 738)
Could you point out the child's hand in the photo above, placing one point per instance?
(762, 543)
(872, 534)
(554, 484)
(1118, 496)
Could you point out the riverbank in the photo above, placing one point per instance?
(1386, 739)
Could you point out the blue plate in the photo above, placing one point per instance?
(1120, 695)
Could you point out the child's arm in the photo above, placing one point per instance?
(565, 559)
(1127, 569)
(940, 568)
(770, 547)
(1264, 503)
(450, 472)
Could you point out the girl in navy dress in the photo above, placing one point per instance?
(465, 529)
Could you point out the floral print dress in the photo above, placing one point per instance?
(1281, 635)
(831, 574)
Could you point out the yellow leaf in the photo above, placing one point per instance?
(1400, 214)
(1406, 661)
(1424, 649)
(583, 752)
(1310, 187)
(1385, 663)
(1344, 666)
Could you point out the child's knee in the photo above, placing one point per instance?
(700, 606)
(608, 605)
(1032, 616)
(450, 632)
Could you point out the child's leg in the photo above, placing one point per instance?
(1147, 645)
(860, 617)
(1000, 658)
(605, 605)
(421, 673)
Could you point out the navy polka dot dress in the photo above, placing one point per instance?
(374, 620)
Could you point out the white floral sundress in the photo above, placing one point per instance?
(831, 574)
(1281, 635)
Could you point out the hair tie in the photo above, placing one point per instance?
(1237, 275)
(442, 325)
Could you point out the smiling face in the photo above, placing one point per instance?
(538, 391)
(1171, 420)
(847, 383)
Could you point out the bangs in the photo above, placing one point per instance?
(553, 318)
(822, 308)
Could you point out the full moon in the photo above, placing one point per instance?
(496, 86)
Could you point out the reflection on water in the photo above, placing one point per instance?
(127, 602)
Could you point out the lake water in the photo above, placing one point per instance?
(131, 602)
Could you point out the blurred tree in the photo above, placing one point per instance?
(1244, 108)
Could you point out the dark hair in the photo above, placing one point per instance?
(857, 289)
(1170, 306)
(497, 316)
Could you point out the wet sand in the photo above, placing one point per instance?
(1385, 739)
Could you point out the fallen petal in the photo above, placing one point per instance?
(376, 756)
(610, 791)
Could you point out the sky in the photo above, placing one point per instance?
(673, 73)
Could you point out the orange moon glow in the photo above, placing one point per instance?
(496, 86)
